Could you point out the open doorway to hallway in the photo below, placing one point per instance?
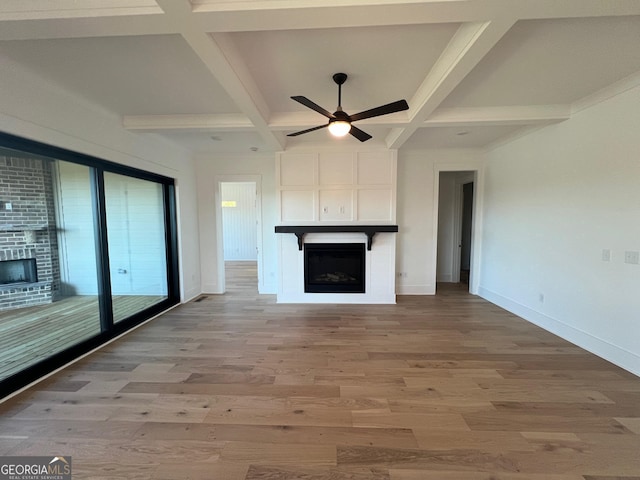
(455, 227)
(240, 235)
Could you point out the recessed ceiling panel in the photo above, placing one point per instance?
(384, 64)
(552, 62)
(150, 75)
(458, 137)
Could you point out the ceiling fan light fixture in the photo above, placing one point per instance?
(339, 123)
(339, 128)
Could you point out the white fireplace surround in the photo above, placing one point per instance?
(379, 269)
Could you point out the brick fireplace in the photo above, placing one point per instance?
(27, 232)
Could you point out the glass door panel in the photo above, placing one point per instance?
(137, 243)
(48, 290)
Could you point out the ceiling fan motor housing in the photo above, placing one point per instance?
(340, 78)
(340, 116)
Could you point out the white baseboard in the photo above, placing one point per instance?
(608, 351)
(445, 278)
(211, 288)
(190, 295)
(415, 289)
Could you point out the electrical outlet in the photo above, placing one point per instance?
(606, 255)
(632, 257)
(541, 297)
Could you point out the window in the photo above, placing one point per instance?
(87, 250)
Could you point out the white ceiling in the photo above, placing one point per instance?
(473, 71)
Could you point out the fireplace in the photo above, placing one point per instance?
(311, 248)
(334, 267)
(18, 271)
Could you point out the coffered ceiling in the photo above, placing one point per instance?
(217, 75)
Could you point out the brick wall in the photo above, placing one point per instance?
(28, 228)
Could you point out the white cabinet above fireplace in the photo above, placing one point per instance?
(336, 187)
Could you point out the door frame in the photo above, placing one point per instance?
(257, 181)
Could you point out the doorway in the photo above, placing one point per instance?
(465, 232)
(239, 208)
(455, 228)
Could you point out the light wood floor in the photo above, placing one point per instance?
(236, 387)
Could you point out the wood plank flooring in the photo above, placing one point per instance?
(28, 335)
(237, 387)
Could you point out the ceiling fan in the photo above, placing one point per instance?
(340, 123)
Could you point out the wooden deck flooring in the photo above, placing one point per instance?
(28, 335)
(237, 387)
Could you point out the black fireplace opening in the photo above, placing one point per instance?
(18, 271)
(334, 267)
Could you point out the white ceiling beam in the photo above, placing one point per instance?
(192, 123)
(442, 117)
(466, 49)
(73, 19)
(95, 26)
(301, 120)
(230, 16)
(499, 116)
(49, 9)
(227, 68)
(546, 9)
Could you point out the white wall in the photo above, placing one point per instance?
(418, 173)
(553, 201)
(210, 172)
(33, 108)
(446, 227)
(239, 221)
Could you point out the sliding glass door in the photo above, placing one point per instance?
(87, 250)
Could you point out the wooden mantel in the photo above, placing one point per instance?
(369, 230)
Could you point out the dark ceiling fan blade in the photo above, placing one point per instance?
(359, 134)
(313, 106)
(295, 134)
(382, 110)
